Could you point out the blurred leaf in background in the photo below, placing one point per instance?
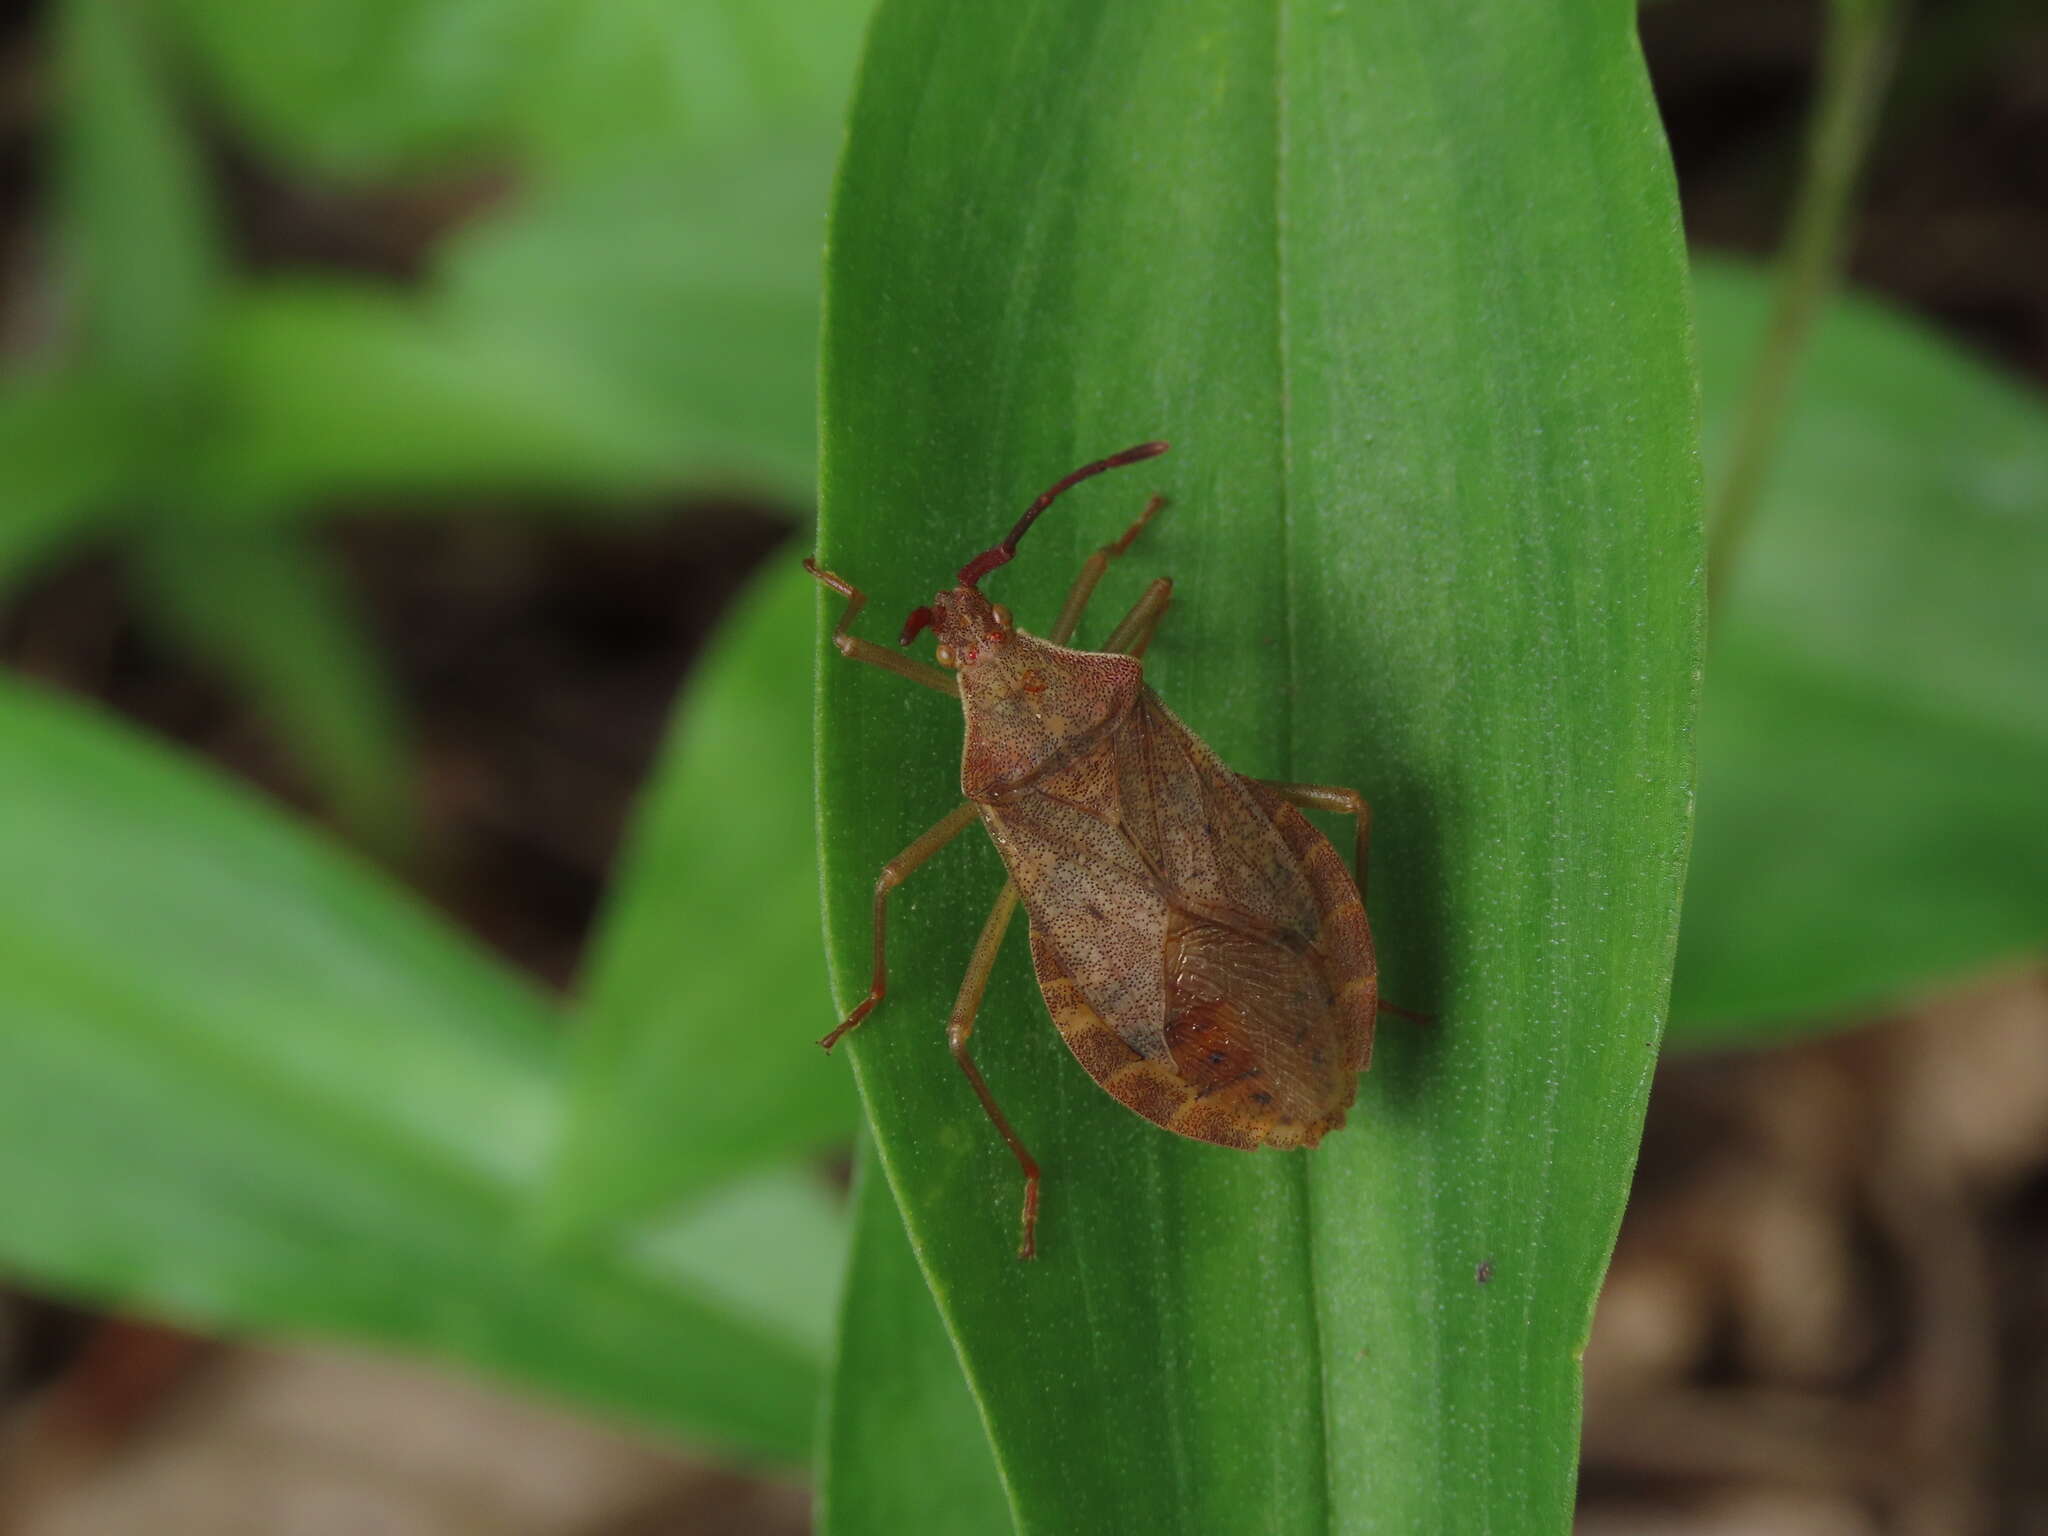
(382, 88)
(1874, 739)
(65, 453)
(142, 259)
(692, 290)
(249, 1085)
(266, 607)
(706, 986)
(254, 1088)
(637, 318)
(147, 285)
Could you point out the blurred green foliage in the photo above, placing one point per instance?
(1875, 735)
(249, 1083)
(631, 321)
(706, 985)
(246, 1080)
(246, 1083)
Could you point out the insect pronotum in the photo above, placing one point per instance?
(1201, 947)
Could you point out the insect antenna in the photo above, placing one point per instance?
(1003, 553)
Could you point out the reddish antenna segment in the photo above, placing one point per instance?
(1003, 553)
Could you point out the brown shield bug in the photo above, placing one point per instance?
(1201, 947)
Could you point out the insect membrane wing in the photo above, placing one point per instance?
(1219, 1101)
(1343, 940)
(1255, 1023)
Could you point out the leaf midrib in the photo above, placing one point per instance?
(1290, 744)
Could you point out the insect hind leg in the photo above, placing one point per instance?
(960, 1028)
(1340, 801)
(1345, 802)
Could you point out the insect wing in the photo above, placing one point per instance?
(1178, 929)
(1204, 831)
(1089, 889)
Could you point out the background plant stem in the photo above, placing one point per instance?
(1862, 44)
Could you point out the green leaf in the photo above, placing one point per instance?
(1875, 735)
(270, 611)
(338, 389)
(66, 451)
(143, 256)
(770, 1244)
(246, 1084)
(613, 338)
(618, 81)
(897, 1392)
(1404, 287)
(369, 88)
(706, 986)
(687, 290)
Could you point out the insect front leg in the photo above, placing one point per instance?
(1091, 572)
(1135, 629)
(960, 1027)
(894, 873)
(856, 649)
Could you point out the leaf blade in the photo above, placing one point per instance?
(1876, 726)
(896, 1383)
(377, 88)
(241, 1084)
(686, 1073)
(264, 606)
(1435, 500)
(138, 227)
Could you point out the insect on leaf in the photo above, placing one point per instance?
(1404, 288)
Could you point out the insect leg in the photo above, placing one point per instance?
(857, 649)
(961, 1026)
(894, 873)
(1091, 572)
(1344, 802)
(1134, 630)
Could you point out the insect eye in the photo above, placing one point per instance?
(1002, 616)
(944, 655)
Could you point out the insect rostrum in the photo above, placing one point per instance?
(1202, 948)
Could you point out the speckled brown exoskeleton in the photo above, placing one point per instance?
(1201, 947)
